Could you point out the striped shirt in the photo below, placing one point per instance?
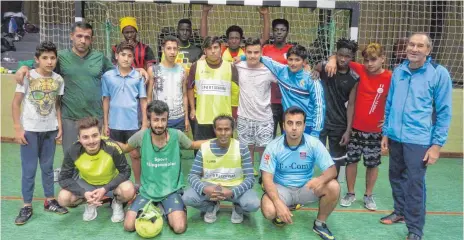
(194, 178)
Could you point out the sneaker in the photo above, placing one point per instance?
(369, 203)
(54, 206)
(278, 222)
(210, 217)
(56, 174)
(412, 236)
(323, 231)
(255, 172)
(236, 216)
(24, 214)
(118, 211)
(392, 218)
(90, 212)
(347, 200)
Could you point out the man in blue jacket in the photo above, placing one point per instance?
(298, 88)
(417, 118)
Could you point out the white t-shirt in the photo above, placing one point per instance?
(255, 92)
(40, 93)
(168, 88)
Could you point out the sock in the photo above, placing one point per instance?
(319, 223)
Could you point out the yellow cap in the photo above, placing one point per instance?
(128, 21)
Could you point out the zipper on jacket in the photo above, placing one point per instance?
(404, 106)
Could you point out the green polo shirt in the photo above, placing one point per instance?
(82, 83)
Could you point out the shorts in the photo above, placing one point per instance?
(121, 135)
(367, 145)
(336, 151)
(204, 132)
(252, 132)
(178, 124)
(173, 202)
(89, 187)
(292, 196)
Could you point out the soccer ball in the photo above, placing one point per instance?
(149, 223)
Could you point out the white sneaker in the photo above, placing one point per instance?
(236, 217)
(210, 217)
(56, 174)
(90, 212)
(347, 200)
(118, 211)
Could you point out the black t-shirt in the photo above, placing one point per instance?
(337, 93)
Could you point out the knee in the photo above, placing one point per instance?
(333, 189)
(125, 191)
(190, 198)
(129, 221)
(65, 198)
(251, 206)
(179, 228)
(267, 208)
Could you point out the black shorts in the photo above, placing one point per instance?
(277, 116)
(121, 135)
(336, 151)
(204, 132)
(367, 145)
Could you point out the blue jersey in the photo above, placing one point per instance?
(124, 94)
(299, 89)
(294, 166)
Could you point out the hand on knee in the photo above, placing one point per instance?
(332, 190)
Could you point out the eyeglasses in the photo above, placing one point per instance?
(39, 95)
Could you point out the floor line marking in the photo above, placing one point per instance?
(306, 209)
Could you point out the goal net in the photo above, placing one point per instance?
(386, 22)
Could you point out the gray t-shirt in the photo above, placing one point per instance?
(137, 139)
(255, 92)
(40, 94)
(168, 88)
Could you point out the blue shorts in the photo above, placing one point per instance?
(173, 202)
(178, 124)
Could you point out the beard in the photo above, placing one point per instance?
(156, 133)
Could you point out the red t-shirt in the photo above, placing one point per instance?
(372, 93)
(279, 55)
(233, 54)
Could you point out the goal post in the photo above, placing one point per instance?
(314, 24)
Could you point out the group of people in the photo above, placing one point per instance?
(102, 110)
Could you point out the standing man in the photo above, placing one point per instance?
(287, 168)
(255, 123)
(233, 49)
(417, 119)
(369, 112)
(168, 83)
(298, 88)
(222, 171)
(278, 52)
(213, 78)
(81, 68)
(143, 55)
(340, 94)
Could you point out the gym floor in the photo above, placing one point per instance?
(444, 211)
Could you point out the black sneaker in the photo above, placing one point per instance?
(54, 206)
(323, 231)
(413, 236)
(24, 214)
(392, 218)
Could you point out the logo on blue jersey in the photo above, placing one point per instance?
(303, 155)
